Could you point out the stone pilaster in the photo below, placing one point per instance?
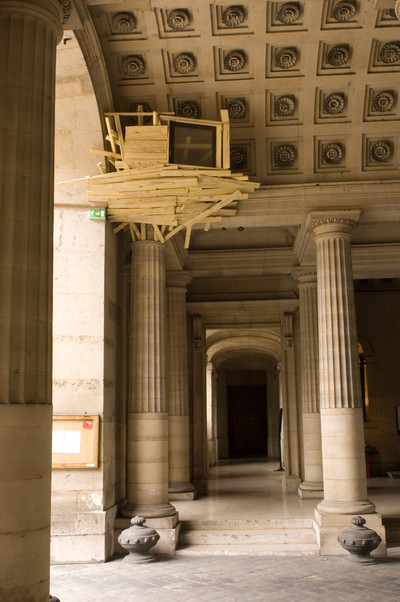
(180, 486)
(342, 430)
(312, 486)
(147, 450)
(29, 33)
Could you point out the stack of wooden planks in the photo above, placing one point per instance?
(170, 197)
(146, 189)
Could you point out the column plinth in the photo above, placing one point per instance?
(29, 33)
(147, 446)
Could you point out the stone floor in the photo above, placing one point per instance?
(242, 490)
(229, 578)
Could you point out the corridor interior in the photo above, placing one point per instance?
(246, 495)
(251, 489)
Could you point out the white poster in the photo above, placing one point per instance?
(72, 442)
(66, 442)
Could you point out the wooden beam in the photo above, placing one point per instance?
(187, 237)
(120, 227)
(157, 232)
(232, 197)
(109, 154)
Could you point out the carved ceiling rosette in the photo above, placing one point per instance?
(234, 60)
(333, 104)
(383, 101)
(381, 151)
(66, 6)
(286, 58)
(284, 106)
(333, 153)
(288, 13)
(344, 11)
(236, 108)
(238, 156)
(184, 63)
(188, 108)
(285, 155)
(390, 53)
(124, 22)
(133, 66)
(338, 55)
(178, 19)
(233, 16)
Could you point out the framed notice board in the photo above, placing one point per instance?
(75, 442)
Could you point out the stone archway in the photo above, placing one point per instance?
(243, 416)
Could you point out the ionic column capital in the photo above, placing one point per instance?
(53, 12)
(66, 6)
(339, 222)
(305, 274)
(178, 278)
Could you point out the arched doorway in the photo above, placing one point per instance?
(244, 409)
(248, 407)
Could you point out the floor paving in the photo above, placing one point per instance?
(242, 490)
(196, 579)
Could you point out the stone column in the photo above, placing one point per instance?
(288, 385)
(180, 486)
(147, 449)
(312, 486)
(342, 428)
(211, 384)
(29, 33)
(199, 416)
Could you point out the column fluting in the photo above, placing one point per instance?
(29, 33)
(342, 426)
(147, 448)
(178, 388)
(307, 285)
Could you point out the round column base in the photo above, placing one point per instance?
(180, 487)
(311, 486)
(330, 507)
(148, 511)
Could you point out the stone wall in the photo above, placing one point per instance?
(85, 321)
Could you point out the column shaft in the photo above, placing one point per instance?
(312, 484)
(147, 449)
(341, 413)
(178, 391)
(199, 418)
(29, 33)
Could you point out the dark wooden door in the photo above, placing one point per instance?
(247, 420)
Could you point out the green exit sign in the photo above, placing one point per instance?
(97, 214)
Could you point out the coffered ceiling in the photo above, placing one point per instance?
(311, 86)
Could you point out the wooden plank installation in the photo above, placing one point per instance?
(146, 189)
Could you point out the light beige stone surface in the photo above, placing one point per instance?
(27, 90)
